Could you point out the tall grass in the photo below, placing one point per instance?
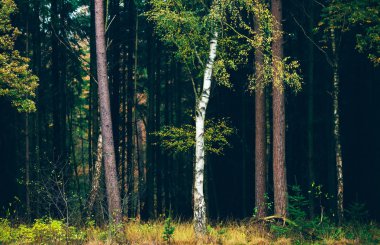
(50, 231)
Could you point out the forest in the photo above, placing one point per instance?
(189, 122)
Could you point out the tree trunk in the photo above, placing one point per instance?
(279, 169)
(56, 87)
(158, 158)
(310, 117)
(113, 195)
(27, 142)
(336, 118)
(27, 168)
(115, 76)
(200, 116)
(130, 106)
(96, 176)
(260, 135)
(148, 210)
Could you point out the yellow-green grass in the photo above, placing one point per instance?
(133, 232)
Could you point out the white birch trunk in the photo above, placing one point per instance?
(200, 116)
(336, 118)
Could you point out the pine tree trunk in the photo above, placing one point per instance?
(113, 195)
(260, 135)
(27, 142)
(200, 116)
(115, 76)
(279, 169)
(158, 162)
(27, 168)
(310, 117)
(130, 107)
(55, 72)
(148, 211)
(96, 176)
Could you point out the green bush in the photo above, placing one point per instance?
(42, 231)
(169, 229)
(5, 231)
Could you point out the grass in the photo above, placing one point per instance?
(148, 233)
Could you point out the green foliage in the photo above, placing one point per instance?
(303, 230)
(218, 232)
(357, 212)
(361, 16)
(16, 80)
(287, 70)
(42, 231)
(169, 229)
(187, 26)
(182, 139)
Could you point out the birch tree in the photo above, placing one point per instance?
(338, 17)
(173, 19)
(200, 116)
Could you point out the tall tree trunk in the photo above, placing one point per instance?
(158, 162)
(27, 168)
(279, 169)
(96, 177)
(310, 114)
(36, 61)
(148, 210)
(55, 55)
(92, 101)
(260, 135)
(113, 195)
(138, 130)
(27, 142)
(115, 76)
(130, 106)
(74, 162)
(336, 119)
(200, 116)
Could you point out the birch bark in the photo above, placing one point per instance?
(336, 118)
(200, 116)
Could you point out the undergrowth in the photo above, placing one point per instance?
(297, 228)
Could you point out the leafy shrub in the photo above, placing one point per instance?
(42, 231)
(5, 231)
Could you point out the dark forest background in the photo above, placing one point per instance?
(67, 114)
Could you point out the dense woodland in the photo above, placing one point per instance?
(199, 110)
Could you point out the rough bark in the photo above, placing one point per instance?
(200, 116)
(260, 135)
(157, 151)
(27, 168)
(115, 76)
(96, 176)
(113, 195)
(310, 117)
(58, 143)
(279, 169)
(130, 106)
(148, 210)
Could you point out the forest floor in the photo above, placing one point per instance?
(166, 232)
